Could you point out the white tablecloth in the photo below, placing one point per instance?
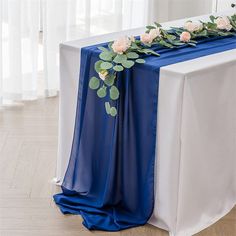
(196, 136)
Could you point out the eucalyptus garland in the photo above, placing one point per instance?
(125, 52)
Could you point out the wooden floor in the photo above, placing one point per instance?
(28, 150)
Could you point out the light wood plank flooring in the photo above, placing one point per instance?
(28, 150)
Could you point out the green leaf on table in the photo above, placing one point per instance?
(148, 52)
(102, 92)
(97, 66)
(109, 81)
(177, 43)
(149, 27)
(165, 44)
(134, 45)
(170, 37)
(113, 111)
(114, 93)
(109, 45)
(103, 49)
(106, 65)
(94, 83)
(192, 44)
(118, 68)
(141, 61)
(203, 33)
(120, 58)
(106, 56)
(157, 24)
(108, 108)
(132, 55)
(127, 64)
(212, 18)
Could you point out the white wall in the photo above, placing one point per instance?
(165, 10)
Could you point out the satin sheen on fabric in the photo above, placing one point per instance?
(110, 177)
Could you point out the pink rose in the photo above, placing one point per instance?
(223, 23)
(121, 45)
(146, 38)
(185, 37)
(193, 26)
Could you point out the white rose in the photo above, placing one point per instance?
(154, 33)
(146, 38)
(223, 23)
(103, 74)
(193, 26)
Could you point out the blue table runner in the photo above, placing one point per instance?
(110, 176)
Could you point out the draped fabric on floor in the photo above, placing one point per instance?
(110, 176)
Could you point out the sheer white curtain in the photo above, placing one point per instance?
(74, 19)
(31, 31)
(18, 49)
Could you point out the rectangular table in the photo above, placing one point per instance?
(196, 143)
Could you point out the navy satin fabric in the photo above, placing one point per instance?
(110, 176)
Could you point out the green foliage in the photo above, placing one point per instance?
(102, 92)
(148, 52)
(120, 58)
(157, 24)
(118, 68)
(114, 93)
(113, 63)
(106, 65)
(110, 79)
(141, 61)
(108, 108)
(97, 66)
(103, 49)
(113, 111)
(94, 83)
(212, 18)
(106, 56)
(132, 55)
(127, 64)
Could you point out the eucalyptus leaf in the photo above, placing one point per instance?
(118, 68)
(97, 66)
(120, 58)
(132, 55)
(127, 64)
(109, 45)
(149, 27)
(106, 65)
(165, 44)
(192, 44)
(141, 61)
(149, 51)
(94, 83)
(212, 18)
(113, 111)
(134, 45)
(102, 92)
(157, 24)
(103, 49)
(177, 43)
(110, 80)
(114, 93)
(106, 56)
(108, 108)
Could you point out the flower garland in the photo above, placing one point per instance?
(126, 51)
